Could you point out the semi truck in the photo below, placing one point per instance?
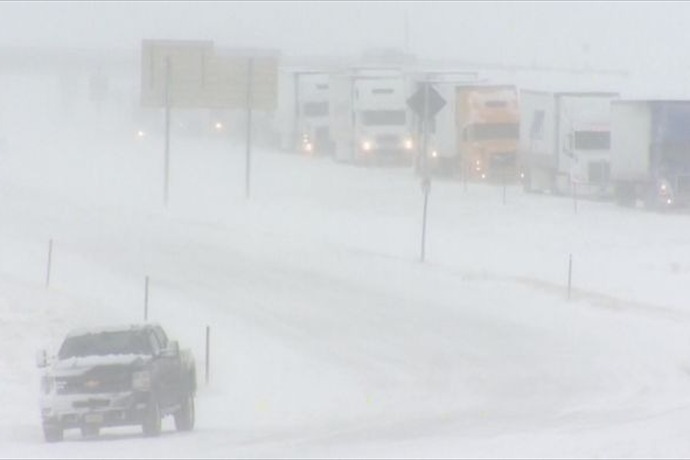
(650, 157)
(565, 142)
(370, 120)
(304, 111)
(476, 136)
(442, 151)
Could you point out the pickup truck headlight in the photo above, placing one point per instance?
(141, 380)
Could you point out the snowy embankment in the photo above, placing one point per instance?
(329, 337)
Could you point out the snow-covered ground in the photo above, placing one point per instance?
(329, 336)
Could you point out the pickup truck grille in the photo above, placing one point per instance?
(99, 380)
(91, 404)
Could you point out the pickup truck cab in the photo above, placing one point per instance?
(116, 376)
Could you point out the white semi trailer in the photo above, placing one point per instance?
(304, 111)
(565, 142)
(370, 120)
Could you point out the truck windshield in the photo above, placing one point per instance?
(384, 118)
(316, 109)
(105, 343)
(592, 140)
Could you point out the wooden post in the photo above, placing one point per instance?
(426, 185)
(208, 352)
(50, 259)
(570, 274)
(503, 177)
(146, 299)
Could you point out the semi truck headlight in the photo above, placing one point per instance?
(219, 126)
(409, 144)
(665, 188)
(308, 147)
(141, 380)
(434, 153)
(366, 146)
(141, 133)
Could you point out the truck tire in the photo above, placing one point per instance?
(185, 416)
(152, 420)
(53, 433)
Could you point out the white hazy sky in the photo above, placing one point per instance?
(616, 34)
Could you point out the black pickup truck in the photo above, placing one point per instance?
(130, 375)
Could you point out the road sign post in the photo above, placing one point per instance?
(249, 124)
(426, 102)
(166, 160)
(194, 75)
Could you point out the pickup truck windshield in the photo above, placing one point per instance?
(105, 343)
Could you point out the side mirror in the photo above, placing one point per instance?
(41, 359)
(173, 349)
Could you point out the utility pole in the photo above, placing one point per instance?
(250, 65)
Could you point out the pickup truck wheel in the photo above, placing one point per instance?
(152, 420)
(184, 418)
(53, 433)
(90, 431)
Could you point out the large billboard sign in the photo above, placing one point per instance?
(193, 74)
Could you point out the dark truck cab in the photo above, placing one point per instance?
(130, 375)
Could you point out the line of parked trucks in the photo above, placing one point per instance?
(594, 144)
(361, 115)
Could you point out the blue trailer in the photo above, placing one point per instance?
(650, 156)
